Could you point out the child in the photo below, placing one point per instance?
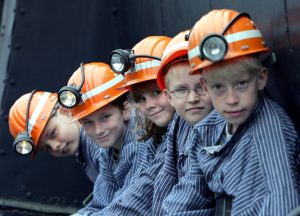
(102, 114)
(248, 147)
(192, 104)
(136, 199)
(50, 130)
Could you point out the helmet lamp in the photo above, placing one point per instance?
(70, 96)
(213, 48)
(23, 144)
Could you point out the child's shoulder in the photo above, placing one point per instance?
(212, 119)
(270, 111)
(273, 118)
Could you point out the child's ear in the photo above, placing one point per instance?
(126, 110)
(168, 94)
(262, 78)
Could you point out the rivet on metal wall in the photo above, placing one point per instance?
(2, 152)
(17, 46)
(114, 11)
(6, 117)
(12, 81)
(29, 195)
(22, 11)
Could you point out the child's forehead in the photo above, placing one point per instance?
(181, 74)
(226, 74)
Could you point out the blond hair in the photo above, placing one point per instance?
(229, 68)
(173, 69)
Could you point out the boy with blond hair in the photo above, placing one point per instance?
(247, 148)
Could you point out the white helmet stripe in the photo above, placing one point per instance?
(103, 87)
(230, 39)
(41, 104)
(194, 53)
(243, 35)
(180, 45)
(146, 65)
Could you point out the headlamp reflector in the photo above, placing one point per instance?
(68, 98)
(117, 63)
(119, 60)
(23, 144)
(213, 48)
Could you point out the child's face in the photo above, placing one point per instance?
(60, 137)
(234, 93)
(106, 126)
(194, 106)
(154, 104)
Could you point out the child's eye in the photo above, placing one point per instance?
(52, 134)
(218, 87)
(140, 100)
(105, 117)
(86, 123)
(181, 90)
(242, 84)
(156, 93)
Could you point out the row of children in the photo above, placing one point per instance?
(197, 137)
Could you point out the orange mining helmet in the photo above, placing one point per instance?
(100, 87)
(223, 34)
(175, 50)
(30, 125)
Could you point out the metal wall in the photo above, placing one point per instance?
(51, 38)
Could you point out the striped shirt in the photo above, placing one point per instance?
(137, 198)
(258, 166)
(183, 198)
(88, 156)
(113, 174)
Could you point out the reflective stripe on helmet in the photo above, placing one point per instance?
(194, 52)
(243, 35)
(36, 113)
(230, 38)
(177, 46)
(146, 65)
(103, 87)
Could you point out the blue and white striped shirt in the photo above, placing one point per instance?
(113, 174)
(183, 197)
(137, 198)
(88, 156)
(258, 166)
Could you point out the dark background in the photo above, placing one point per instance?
(51, 37)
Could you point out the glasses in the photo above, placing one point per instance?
(184, 92)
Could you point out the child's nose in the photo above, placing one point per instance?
(150, 103)
(232, 97)
(55, 145)
(193, 96)
(98, 128)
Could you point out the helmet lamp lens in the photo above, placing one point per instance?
(24, 147)
(214, 48)
(117, 62)
(67, 98)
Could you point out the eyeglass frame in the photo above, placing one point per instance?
(188, 91)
